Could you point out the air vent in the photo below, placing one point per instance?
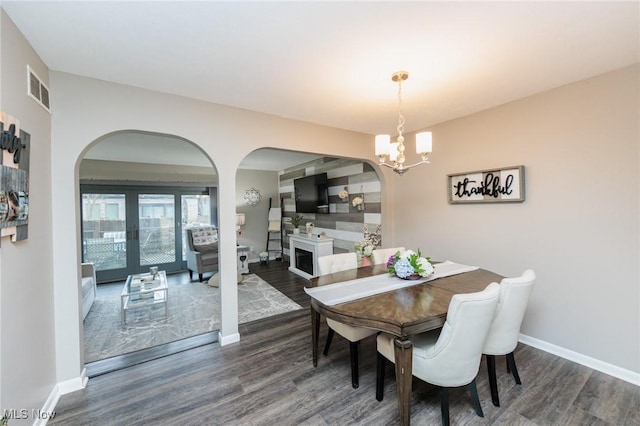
(37, 89)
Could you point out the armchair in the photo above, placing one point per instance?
(202, 250)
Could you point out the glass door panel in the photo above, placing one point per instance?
(104, 229)
(196, 211)
(157, 229)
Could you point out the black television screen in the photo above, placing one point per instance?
(311, 192)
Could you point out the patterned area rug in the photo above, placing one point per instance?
(194, 308)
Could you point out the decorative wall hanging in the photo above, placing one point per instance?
(14, 179)
(252, 197)
(358, 201)
(505, 185)
(344, 195)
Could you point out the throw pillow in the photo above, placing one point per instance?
(206, 248)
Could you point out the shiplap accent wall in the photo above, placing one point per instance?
(344, 223)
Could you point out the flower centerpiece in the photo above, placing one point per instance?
(364, 248)
(410, 265)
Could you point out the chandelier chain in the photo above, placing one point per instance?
(400, 116)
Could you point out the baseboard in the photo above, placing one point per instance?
(227, 340)
(596, 364)
(73, 385)
(49, 407)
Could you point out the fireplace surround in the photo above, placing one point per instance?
(304, 251)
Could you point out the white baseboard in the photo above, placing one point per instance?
(49, 407)
(62, 388)
(73, 385)
(596, 364)
(227, 340)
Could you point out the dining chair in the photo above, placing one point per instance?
(448, 357)
(505, 329)
(381, 255)
(328, 265)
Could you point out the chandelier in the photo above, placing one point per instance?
(385, 149)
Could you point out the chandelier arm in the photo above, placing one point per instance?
(417, 164)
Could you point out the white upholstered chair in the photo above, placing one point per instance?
(329, 265)
(381, 255)
(505, 329)
(449, 357)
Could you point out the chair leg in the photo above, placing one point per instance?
(493, 383)
(353, 346)
(381, 365)
(444, 406)
(473, 390)
(511, 363)
(330, 334)
(190, 274)
(200, 277)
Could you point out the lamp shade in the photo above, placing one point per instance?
(240, 219)
(393, 151)
(423, 142)
(382, 144)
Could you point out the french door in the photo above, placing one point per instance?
(126, 230)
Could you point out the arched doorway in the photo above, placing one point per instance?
(139, 192)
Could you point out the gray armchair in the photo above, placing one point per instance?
(202, 251)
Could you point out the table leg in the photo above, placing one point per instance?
(315, 333)
(403, 351)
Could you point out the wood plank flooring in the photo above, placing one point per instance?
(268, 379)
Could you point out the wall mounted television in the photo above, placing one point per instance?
(311, 194)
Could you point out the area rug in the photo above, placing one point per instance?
(193, 308)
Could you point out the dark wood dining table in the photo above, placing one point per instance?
(403, 312)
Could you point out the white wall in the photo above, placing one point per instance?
(78, 122)
(27, 357)
(254, 232)
(579, 226)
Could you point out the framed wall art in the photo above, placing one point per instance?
(503, 185)
(14, 179)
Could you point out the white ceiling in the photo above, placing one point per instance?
(330, 62)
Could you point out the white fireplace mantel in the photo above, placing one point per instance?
(312, 243)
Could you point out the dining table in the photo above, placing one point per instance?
(398, 307)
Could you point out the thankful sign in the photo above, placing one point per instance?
(487, 186)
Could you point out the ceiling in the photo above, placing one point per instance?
(331, 62)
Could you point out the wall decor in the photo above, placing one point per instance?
(503, 185)
(14, 179)
(252, 197)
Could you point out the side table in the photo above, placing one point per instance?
(243, 259)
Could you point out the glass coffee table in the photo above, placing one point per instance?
(144, 291)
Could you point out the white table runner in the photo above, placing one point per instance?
(346, 291)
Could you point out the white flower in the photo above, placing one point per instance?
(343, 194)
(357, 201)
(407, 254)
(426, 268)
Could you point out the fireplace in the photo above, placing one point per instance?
(304, 260)
(304, 251)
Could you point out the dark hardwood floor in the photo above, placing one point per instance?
(268, 379)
